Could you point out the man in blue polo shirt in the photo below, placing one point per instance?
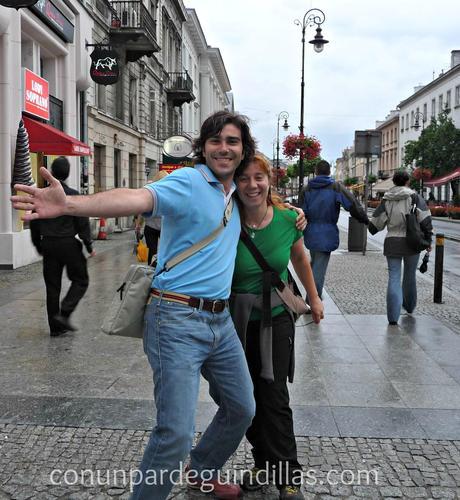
(182, 341)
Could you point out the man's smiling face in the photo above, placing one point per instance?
(224, 152)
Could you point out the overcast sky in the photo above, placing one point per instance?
(378, 52)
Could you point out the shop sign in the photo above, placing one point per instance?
(105, 68)
(36, 95)
(169, 167)
(55, 19)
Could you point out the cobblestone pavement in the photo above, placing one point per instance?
(357, 284)
(333, 467)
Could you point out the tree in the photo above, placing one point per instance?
(308, 167)
(437, 149)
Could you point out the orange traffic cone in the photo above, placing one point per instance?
(102, 234)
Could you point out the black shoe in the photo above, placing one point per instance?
(56, 333)
(64, 323)
(254, 479)
(291, 493)
(393, 323)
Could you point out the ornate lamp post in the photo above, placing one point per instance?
(284, 115)
(311, 18)
(417, 116)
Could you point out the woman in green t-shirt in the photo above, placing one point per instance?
(272, 229)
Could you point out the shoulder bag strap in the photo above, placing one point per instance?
(260, 259)
(188, 252)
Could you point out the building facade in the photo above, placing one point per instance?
(389, 129)
(53, 53)
(442, 95)
(165, 66)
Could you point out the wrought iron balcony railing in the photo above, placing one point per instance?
(179, 87)
(132, 15)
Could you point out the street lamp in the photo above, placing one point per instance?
(284, 115)
(312, 17)
(417, 116)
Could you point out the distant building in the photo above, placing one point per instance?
(442, 95)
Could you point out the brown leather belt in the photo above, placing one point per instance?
(214, 306)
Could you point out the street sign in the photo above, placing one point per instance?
(368, 143)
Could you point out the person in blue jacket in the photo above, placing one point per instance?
(322, 199)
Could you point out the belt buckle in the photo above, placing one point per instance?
(214, 304)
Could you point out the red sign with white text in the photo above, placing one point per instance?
(36, 95)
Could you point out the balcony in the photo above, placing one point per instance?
(133, 28)
(179, 88)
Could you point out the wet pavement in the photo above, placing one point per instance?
(363, 390)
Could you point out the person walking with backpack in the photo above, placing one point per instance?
(322, 199)
(391, 213)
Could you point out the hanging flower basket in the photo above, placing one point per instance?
(422, 174)
(293, 144)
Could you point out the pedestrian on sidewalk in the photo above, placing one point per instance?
(391, 213)
(322, 199)
(272, 228)
(55, 240)
(191, 330)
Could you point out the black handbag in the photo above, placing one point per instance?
(414, 234)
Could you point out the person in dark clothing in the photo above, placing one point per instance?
(322, 199)
(55, 240)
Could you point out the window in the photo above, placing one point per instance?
(133, 101)
(425, 111)
(457, 95)
(448, 99)
(402, 123)
(440, 103)
(411, 118)
(119, 109)
(407, 121)
(433, 108)
(100, 96)
(153, 118)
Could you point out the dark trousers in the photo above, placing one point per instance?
(151, 240)
(60, 253)
(272, 431)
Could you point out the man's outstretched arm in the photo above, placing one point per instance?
(50, 202)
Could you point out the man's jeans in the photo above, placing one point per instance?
(180, 342)
(405, 295)
(319, 263)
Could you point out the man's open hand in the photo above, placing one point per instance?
(41, 203)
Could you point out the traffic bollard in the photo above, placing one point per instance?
(438, 268)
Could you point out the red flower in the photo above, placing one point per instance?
(293, 144)
(422, 173)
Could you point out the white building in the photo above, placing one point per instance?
(207, 70)
(54, 52)
(442, 95)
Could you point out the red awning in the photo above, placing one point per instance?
(51, 141)
(444, 179)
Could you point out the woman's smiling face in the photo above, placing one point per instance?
(253, 185)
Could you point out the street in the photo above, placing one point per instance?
(451, 249)
(365, 396)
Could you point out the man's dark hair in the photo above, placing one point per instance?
(323, 168)
(60, 168)
(400, 178)
(213, 126)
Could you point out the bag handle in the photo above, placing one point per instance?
(188, 252)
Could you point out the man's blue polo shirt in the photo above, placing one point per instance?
(192, 203)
